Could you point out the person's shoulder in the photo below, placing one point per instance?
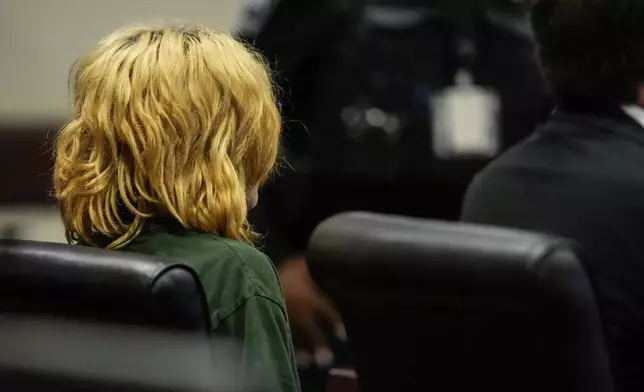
(217, 260)
(517, 155)
(256, 268)
(252, 259)
(516, 165)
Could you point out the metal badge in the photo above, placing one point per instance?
(465, 120)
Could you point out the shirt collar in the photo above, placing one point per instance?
(635, 112)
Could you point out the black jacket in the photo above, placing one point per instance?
(582, 177)
(334, 59)
(304, 42)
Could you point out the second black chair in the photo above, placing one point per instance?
(434, 306)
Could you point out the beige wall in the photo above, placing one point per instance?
(34, 223)
(40, 39)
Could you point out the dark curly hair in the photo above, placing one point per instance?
(591, 50)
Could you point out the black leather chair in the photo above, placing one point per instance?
(435, 306)
(98, 285)
(40, 354)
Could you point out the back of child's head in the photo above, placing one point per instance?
(169, 121)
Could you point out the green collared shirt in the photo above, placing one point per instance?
(243, 291)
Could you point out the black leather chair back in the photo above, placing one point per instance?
(40, 354)
(435, 306)
(99, 285)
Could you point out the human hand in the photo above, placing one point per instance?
(308, 310)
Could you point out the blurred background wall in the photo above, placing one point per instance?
(39, 41)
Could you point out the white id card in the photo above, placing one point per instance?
(465, 120)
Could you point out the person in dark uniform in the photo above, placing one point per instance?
(581, 174)
(378, 60)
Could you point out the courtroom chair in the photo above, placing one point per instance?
(84, 283)
(41, 354)
(436, 306)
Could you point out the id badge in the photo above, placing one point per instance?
(465, 120)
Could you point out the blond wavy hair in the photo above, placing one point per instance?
(169, 121)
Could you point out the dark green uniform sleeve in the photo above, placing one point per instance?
(262, 326)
